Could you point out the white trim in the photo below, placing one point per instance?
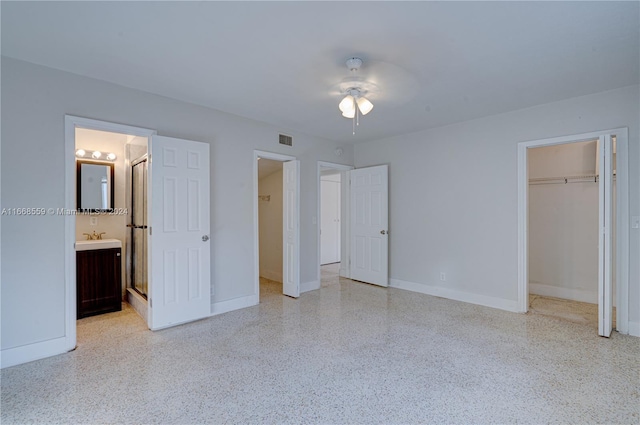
(622, 218)
(453, 294)
(309, 286)
(72, 122)
(581, 295)
(344, 215)
(39, 350)
(256, 231)
(233, 304)
(622, 233)
(634, 328)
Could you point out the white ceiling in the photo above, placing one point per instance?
(435, 63)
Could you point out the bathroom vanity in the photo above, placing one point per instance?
(98, 277)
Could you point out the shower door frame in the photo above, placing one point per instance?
(137, 161)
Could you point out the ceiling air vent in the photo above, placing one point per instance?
(286, 140)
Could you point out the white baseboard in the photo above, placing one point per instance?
(309, 286)
(634, 328)
(36, 351)
(233, 304)
(344, 272)
(580, 295)
(453, 294)
(271, 275)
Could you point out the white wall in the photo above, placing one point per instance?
(270, 225)
(563, 223)
(35, 100)
(453, 195)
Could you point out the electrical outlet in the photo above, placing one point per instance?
(443, 276)
(93, 221)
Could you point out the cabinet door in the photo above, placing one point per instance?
(98, 276)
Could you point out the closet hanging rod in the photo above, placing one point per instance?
(588, 178)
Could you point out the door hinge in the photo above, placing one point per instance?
(150, 230)
(150, 303)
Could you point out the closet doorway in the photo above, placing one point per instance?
(563, 231)
(277, 223)
(572, 236)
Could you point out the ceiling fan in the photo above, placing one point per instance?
(382, 81)
(355, 103)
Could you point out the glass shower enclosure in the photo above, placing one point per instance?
(139, 272)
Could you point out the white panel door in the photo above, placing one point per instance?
(369, 225)
(291, 229)
(605, 270)
(179, 248)
(329, 222)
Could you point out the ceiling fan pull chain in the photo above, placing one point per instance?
(353, 123)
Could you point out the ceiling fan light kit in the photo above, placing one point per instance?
(354, 103)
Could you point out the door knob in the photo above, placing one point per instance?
(205, 238)
(382, 232)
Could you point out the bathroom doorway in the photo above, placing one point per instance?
(109, 145)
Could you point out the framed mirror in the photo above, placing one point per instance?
(94, 186)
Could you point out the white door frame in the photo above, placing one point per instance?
(622, 219)
(256, 240)
(344, 215)
(72, 122)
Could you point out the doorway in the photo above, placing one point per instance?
(276, 224)
(333, 222)
(97, 139)
(270, 211)
(563, 227)
(608, 266)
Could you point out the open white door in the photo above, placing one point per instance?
(369, 225)
(291, 229)
(179, 289)
(605, 291)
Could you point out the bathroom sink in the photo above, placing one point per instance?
(98, 244)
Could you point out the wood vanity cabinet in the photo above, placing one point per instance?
(98, 281)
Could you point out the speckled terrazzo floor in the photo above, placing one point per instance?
(347, 353)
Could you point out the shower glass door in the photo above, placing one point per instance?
(139, 280)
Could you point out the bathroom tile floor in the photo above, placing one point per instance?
(347, 353)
